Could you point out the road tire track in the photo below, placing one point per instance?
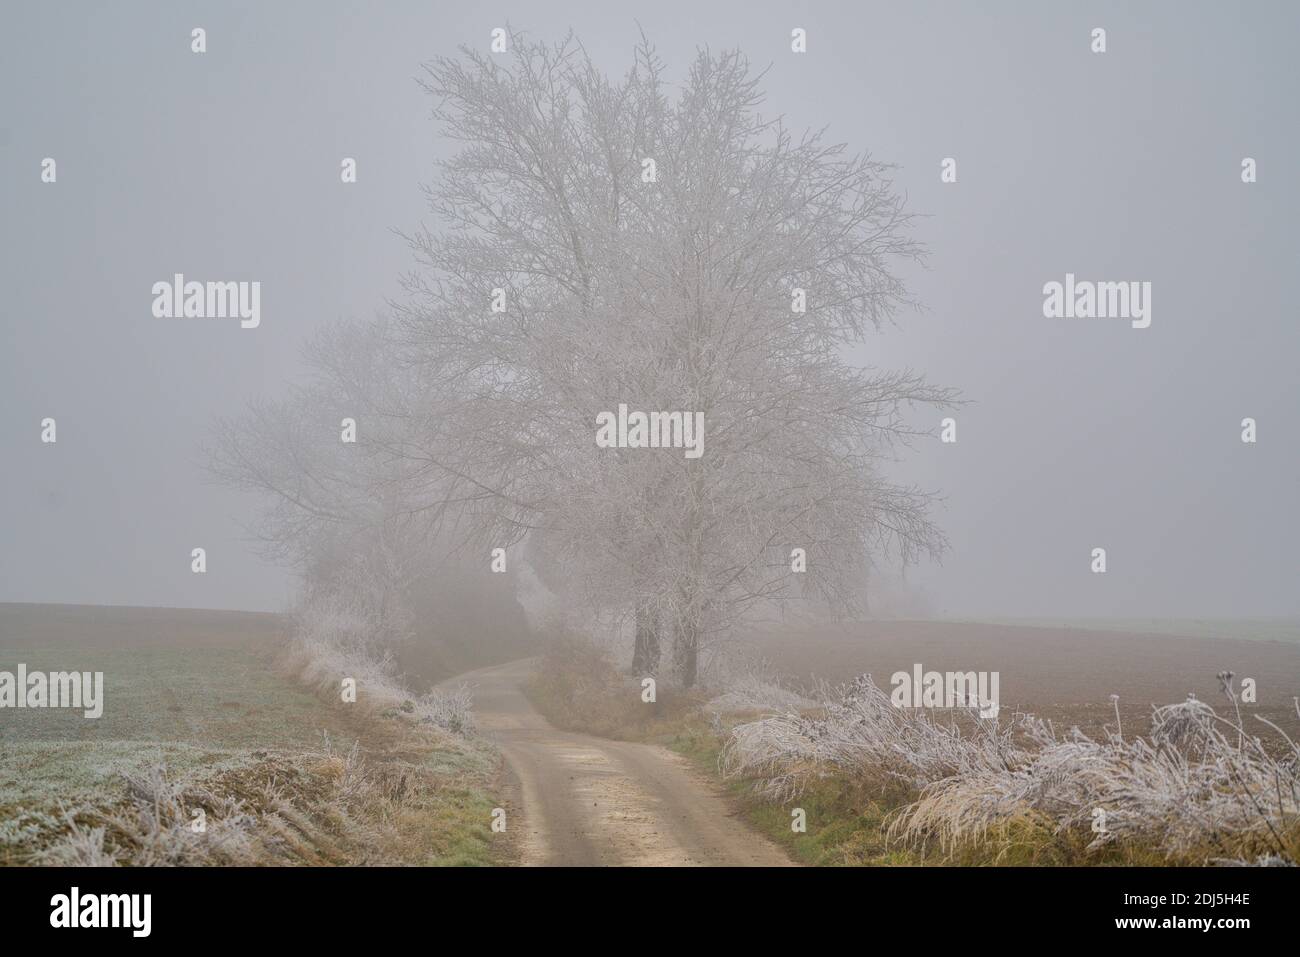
(589, 801)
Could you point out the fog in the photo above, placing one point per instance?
(1077, 433)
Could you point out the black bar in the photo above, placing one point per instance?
(334, 906)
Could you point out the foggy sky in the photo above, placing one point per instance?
(1079, 433)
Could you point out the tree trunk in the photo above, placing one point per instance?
(686, 653)
(646, 650)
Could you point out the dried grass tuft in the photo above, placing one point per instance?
(1198, 787)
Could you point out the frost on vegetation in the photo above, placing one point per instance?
(1198, 785)
(756, 689)
(334, 638)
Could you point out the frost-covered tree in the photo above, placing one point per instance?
(382, 574)
(602, 241)
(598, 243)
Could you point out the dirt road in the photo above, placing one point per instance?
(591, 801)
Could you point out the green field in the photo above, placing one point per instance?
(202, 696)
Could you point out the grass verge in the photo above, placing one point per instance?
(578, 688)
(846, 822)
